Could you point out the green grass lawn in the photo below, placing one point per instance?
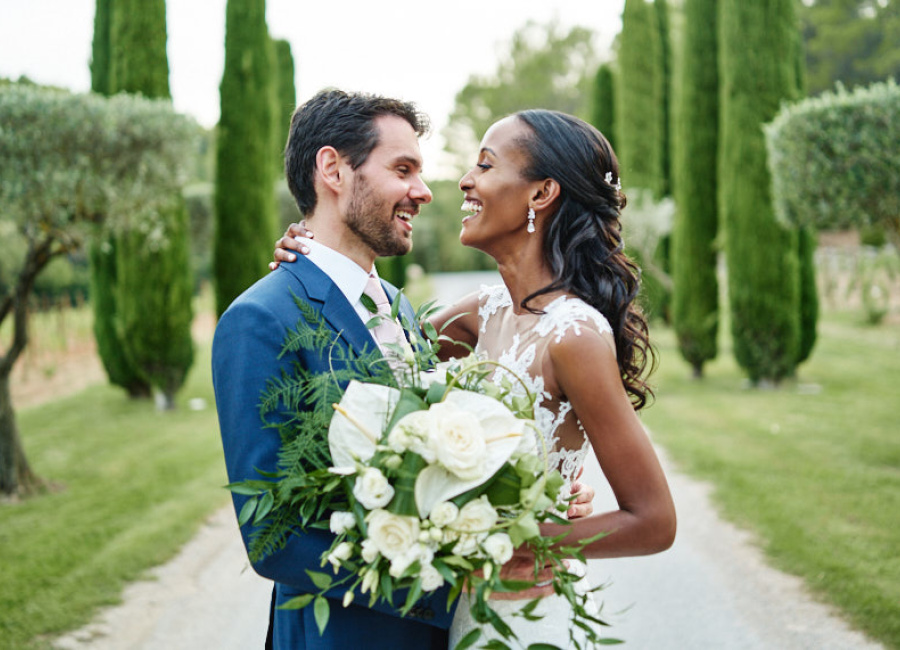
(135, 485)
(812, 467)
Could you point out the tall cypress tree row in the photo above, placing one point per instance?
(758, 72)
(665, 91)
(244, 199)
(603, 112)
(638, 96)
(120, 369)
(154, 285)
(695, 302)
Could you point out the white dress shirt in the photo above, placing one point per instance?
(349, 276)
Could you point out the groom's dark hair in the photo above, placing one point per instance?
(345, 121)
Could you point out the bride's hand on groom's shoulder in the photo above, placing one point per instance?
(288, 243)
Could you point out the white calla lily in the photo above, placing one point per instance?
(358, 422)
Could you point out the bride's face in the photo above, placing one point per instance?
(496, 194)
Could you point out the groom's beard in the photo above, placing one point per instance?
(372, 220)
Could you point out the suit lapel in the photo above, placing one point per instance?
(332, 303)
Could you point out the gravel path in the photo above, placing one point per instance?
(711, 591)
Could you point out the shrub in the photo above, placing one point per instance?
(835, 160)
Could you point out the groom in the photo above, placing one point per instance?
(353, 165)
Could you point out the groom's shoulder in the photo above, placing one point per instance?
(277, 292)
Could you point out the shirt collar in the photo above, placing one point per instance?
(349, 276)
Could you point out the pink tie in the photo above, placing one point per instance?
(388, 330)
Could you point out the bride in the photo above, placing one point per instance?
(544, 200)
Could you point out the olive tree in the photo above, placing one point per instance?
(72, 163)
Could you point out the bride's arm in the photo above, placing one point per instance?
(458, 322)
(584, 369)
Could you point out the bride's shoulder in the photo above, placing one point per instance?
(568, 316)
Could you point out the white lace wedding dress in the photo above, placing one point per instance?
(519, 342)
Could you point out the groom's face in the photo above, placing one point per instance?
(388, 189)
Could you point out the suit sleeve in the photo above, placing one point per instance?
(248, 340)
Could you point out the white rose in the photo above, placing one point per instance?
(400, 564)
(372, 489)
(444, 514)
(341, 522)
(392, 534)
(499, 547)
(369, 551)
(343, 551)
(466, 546)
(457, 440)
(412, 433)
(421, 553)
(477, 516)
(431, 578)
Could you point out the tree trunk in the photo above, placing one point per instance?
(16, 477)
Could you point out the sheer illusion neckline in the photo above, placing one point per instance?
(518, 342)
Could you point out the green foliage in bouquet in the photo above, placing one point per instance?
(428, 475)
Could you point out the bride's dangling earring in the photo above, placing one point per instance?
(530, 227)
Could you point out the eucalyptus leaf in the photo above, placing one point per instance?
(322, 612)
(469, 640)
(320, 580)
(298, 602)
(264, 507)
(247, 511)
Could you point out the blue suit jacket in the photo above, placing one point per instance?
(248, 340)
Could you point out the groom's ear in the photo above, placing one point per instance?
(545, 194)
(330, 168)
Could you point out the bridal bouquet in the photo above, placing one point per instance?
(426, 478)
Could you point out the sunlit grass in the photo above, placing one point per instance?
(813, 467)
(133, 486)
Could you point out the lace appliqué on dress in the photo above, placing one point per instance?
(566, 313)
(495, 297)
(559, 317)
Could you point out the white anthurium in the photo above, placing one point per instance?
(357, 423)
(498, 431)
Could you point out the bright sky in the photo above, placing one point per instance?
(421, 51)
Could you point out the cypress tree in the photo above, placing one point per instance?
(665, 91)
(757, 73)
(603, 112)
(638, 96)
(139, 62)
(806, 241)
(154, 284)
(101, 71)
(695, 301)
(285, 98)
(120, 370)
(809, 295)
(244, 197)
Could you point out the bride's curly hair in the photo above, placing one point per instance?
(583, 239)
